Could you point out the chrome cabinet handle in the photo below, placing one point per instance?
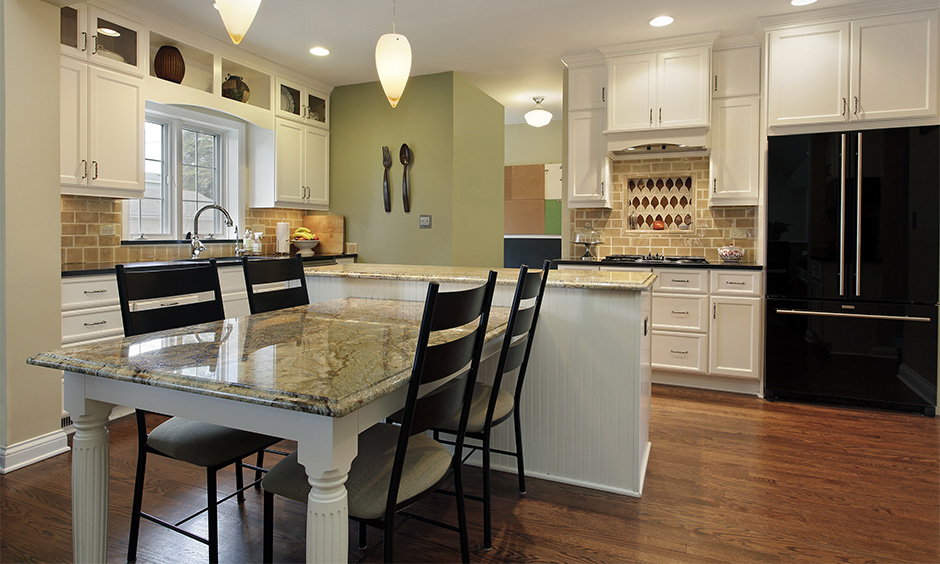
(674, 312)
(168, 304)
(842, 221)
(843, 106)
(646, 322)
(603, 93)
(852, 315)
(95, 37)
(84, 41)
(714, 311)
(858, 219)
(716, 83)
(856, 104)
(729, 282)
(96, 323)
(660, 116)
(651, 117)
(84, 169)
(678, 352)
(680, 281)
(101, 291)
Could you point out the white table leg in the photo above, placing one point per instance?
(90, 469)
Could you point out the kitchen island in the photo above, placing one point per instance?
(585, 407)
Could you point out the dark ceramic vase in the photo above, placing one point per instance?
(169, 64)
(236, 89)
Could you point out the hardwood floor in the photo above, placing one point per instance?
(731, 479)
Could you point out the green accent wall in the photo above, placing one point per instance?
(456, 133)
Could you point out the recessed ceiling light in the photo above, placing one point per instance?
(319, 51)
(214, 5)
(661, 21)
(802, 2)
(109, 32)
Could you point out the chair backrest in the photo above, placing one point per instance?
(520, 331)
(154, 299)
(275, 283)
(450, 340)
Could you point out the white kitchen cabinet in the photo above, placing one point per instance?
(96, 36)
(734, 161)
(588, 164)
(870, 68)
(101, 131)
(289, 166)
(297, 102)
(734, 337)
(680, 352)
(735, 72)
(652, 90)
(90, 309)
(680, 320)
(587, 87)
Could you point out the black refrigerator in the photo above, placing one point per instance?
(853, 255)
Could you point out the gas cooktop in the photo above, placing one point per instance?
(654, 259)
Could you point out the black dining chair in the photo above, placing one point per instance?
(491, 405)
(398, 465)
(155, 299)
(275, 283)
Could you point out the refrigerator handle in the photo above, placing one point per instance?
(842, 220)
(858, 220)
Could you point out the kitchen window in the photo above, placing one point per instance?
(191, 160)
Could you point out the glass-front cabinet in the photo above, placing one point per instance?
(300, 103)
(102, 38)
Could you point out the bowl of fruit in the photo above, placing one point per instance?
(305, 241)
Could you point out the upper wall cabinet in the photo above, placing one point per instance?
(300, 103)
(668, 89)
(870, 68)
(95, 36)
(289, 166)
(736, 72)
(588, 164)
(586, 87)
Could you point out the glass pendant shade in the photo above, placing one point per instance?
(538, 116)
(237, 16)
(393, 63)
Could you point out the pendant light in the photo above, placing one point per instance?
(393, 62)
(538, 116)
(237, 16)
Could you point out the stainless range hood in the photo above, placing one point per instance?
(668, 142)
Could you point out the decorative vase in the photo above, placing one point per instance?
(235, 88)
(169, 64)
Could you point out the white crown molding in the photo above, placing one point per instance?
(583, 60)
(843, 13)
(678, 42)
(736, 42)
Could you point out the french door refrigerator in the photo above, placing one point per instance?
(852, 268)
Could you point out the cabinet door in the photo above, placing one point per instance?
(735, 156)
(73, 31)
(631, 81)
(289, 144)
(587, 160)
(683, 92)
(808, 75)
(290, 100)
(116, 43)
(734, 337)
(116, 132)
(894, 66)
(317, 166)
(73, 122)
(736, 72)
(586, 87)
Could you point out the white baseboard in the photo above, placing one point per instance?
(750, 386)
(33, 450)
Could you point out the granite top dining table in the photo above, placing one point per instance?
(317, 374)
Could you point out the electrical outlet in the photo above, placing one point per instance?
(424, 222)
(107, 229)
(739, 233)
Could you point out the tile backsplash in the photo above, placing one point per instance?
(91, 232)
(711, 227)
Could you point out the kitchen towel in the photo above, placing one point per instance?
(283, 237)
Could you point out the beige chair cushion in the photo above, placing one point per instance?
(205, 444)
(426, 463)
(478, 405)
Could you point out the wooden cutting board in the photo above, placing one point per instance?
(331, 229)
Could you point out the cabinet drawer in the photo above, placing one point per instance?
(680, 313)
(89, 291)
(684, 352)
(681, 281)
(94, 323)
(735, 283)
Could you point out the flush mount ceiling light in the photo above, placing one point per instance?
(393, 62)
(237, 16)
(802, 2)
(538, 116)
(661, 21)
(319, 51)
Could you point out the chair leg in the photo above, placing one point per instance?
(268, 535)
(387, 540)
(487, 507)
(239, 481)
(258, 473)
(363, 543)
(519, 463)
(213, 514)
(138, 500)
(461, 513)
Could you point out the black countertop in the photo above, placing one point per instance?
(743, 265)
(92, 268)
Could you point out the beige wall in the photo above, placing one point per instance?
(456, 134)
(533, 145)
(30, 292)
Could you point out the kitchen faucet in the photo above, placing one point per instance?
(197, 245)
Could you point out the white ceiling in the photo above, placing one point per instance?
(510, 49)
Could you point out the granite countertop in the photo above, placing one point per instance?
(594, 280)
(742, 265)
(92, 268)
(328, 358)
